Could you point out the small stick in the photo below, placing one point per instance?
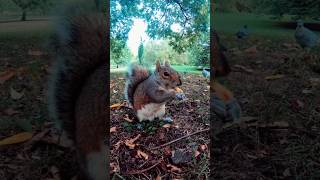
(143, 170)
(183, 137)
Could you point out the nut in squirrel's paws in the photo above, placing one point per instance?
(178, 90)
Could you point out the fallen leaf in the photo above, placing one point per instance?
(251, 50)
(117, 145)
(8, 74)
(167, 126)
(174, 168)
(127, 118)
(10, 112)
(16, 95)
(179, 90)
(142, 155)
(158, 177)
(196, 154)
(130, 142)
(35, 53)
(203, 147)
(114, 167)
(113, 129)
(307, 91)
(274, 77)
(243, 68)
(18, 138)
(115, 105)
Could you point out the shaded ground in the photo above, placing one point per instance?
(189, 116)
(23, 108)
(280, 135)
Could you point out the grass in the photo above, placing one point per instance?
(261, 25)
(179, 68)
(25, 30)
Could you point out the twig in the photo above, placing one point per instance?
(183, 137)
(143, 170)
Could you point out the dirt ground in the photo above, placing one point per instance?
(191, 115)
(23, 109)
(278, 88)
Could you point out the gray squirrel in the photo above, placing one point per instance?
(149, 92)
(78, 91)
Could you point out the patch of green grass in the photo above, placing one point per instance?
(22, 30)
(261, 25)
(179, 68)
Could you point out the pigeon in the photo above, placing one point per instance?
(206, 72)
(243, 32)
(305, 37)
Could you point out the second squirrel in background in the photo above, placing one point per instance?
(149, 92)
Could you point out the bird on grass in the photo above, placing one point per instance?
(243, 32)
(305, 37)
(206, 72)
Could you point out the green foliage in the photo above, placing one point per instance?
(161, 50)
(140, 52)
(191, 15)
(122, 55)
(28, 5)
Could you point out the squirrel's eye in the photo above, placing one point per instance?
(166, 74)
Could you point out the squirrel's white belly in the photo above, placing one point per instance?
(151, 111)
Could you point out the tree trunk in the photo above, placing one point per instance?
(117, 66)
(24, 15)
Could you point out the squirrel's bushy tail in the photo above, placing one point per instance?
(135, 75)
(220, 62)
(80, 44)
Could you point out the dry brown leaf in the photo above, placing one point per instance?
(158, 177)
(117, 145)
(6, 75)
(274, 77)
(15, 94)
(167, 126)
(18, 138)
(130, 142)
(251, 50)
(35, 53)
(174, 168)
(113, 129)
(127, 118)
(114, 167)
(179, 90)
(203, 147)
(142, 155)
(116, 106)
(196, 154)
(243, 68)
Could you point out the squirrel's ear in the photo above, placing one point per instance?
(166, 63)
(157, 65)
